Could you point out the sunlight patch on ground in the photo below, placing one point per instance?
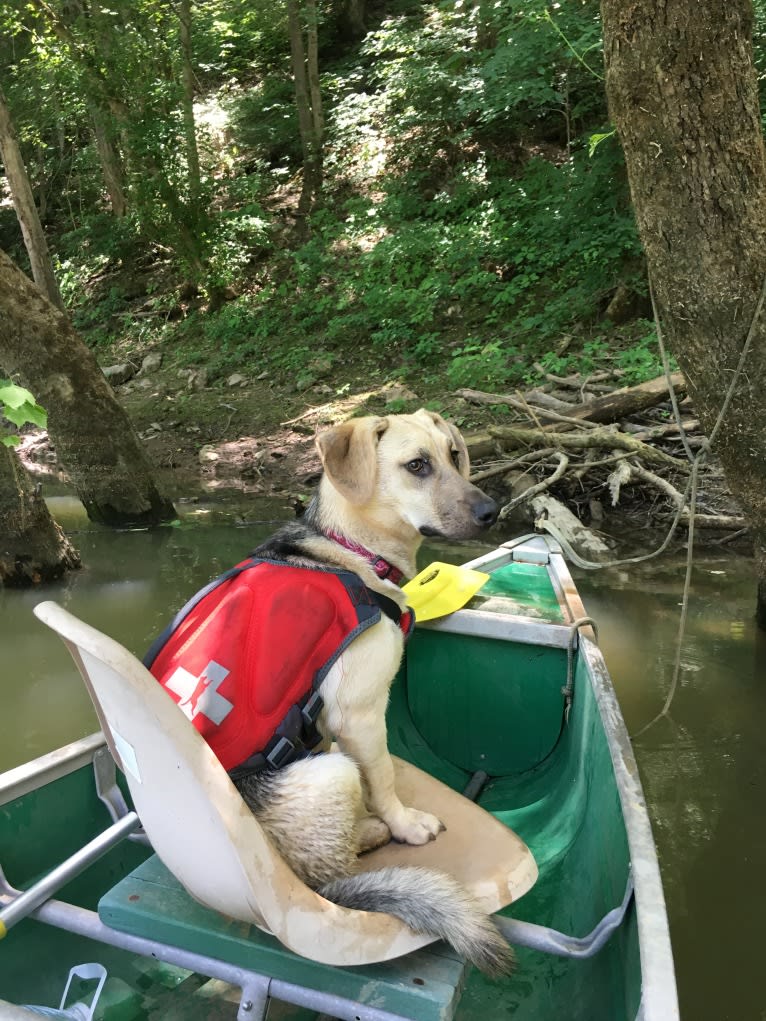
(213, 116)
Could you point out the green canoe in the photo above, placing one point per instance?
(508, 701)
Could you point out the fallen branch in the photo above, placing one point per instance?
(657, 432)
(543, 505)
(480, 397)
(537, 488)
(509, 435)
(662, 484)
(506, 466)
(629, 400)
(726, 522)
(577, 382)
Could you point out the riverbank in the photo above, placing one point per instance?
(604, 459)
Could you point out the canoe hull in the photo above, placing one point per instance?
(480, 694)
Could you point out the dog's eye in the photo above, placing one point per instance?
(418, 466)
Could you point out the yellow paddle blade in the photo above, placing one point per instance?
(441, 589)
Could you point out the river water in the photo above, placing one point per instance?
(704, 770)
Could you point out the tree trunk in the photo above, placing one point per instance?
(683, 95)
(26, 210)
(352, 23)
(32, 546)
(94, 438)
(190, 133)
(312, 65)
(307, 117)
(109, 157)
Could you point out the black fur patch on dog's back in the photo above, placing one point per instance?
(287, 543)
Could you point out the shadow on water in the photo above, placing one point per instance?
(703, 770)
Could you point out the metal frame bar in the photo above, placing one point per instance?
(109, 793)
(256, 988)
(24, 903)
(549, 941)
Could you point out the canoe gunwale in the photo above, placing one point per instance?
(30, 776)
(516, 628)
(659, 996)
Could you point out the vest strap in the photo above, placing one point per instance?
(295, 738)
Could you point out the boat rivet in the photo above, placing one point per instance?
(247, 1005)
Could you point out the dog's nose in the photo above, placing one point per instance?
(485, 512)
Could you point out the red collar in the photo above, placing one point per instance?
(380, 566)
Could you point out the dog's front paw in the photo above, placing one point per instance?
(414, 827)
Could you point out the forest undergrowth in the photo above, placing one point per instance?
(473, 230)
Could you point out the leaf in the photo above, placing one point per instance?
(13, 396)
(27, 412)
(10, 441)
(595, 140)
(19, 405)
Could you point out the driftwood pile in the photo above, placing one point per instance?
(577, 446)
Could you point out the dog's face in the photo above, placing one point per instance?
(406, 470)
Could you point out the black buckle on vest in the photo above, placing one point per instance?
(310, 712)
(283, 752)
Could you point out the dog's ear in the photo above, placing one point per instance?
(463, 461)
(349, 456)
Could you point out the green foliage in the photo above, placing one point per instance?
(642, 361)
(475, 203)
(18, 406)
(267, 124)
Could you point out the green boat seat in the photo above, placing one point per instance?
(150, 902)
(212, 844)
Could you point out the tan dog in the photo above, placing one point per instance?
(387, 483)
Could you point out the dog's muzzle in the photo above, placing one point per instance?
(485, 512)
(473, 517)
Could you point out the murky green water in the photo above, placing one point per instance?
(704, 771)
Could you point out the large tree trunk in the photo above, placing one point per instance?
(683, 95)
(309, 117)
(26, 210)
(32, 546)
(93, 436)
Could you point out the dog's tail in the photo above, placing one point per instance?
(430, 903)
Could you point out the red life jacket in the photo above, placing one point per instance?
(245, 657)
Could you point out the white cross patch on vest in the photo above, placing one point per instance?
(200, 694)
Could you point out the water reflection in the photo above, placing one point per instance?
(703, 770)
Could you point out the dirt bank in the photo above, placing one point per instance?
(255, 436)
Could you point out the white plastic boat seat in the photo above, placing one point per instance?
(480, 852)
(209, 840)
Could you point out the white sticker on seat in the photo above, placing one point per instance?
(127, 754)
